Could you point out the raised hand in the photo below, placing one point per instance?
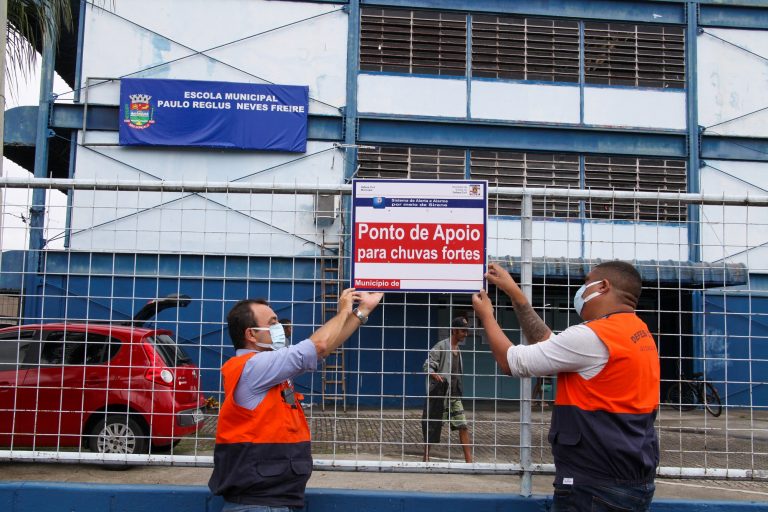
(500, 277)
(482, 304)
(347, 297)
(367, 301)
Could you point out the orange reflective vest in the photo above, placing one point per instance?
(602, 429)
(263, 455)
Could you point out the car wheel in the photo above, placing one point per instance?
(118, 433)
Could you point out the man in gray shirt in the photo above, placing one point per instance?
(445, 389)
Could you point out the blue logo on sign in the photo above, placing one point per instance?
(378, 202)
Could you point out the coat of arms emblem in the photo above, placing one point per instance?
(139, 113)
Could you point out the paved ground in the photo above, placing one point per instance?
(736, 440)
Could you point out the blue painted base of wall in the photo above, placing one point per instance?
(56, 497)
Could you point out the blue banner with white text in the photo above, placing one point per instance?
(158, 112)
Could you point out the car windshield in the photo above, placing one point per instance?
(172, 354)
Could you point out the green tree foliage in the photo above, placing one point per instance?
(29, 23)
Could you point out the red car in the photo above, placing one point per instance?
(111, 388)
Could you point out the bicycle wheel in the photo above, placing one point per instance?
(682, 396)
(712, 401)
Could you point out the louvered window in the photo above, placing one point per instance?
(635, 55)
(535, 170)
(642, 174)
(542, 170)
(514, 47)
(392, 162)
(525, 48)
(418, 42)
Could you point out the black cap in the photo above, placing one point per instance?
(460, 322)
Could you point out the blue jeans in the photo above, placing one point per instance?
(598, 498)
(236, 507)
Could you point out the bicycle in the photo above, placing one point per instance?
(690, 392)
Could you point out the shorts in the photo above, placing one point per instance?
(454, 414)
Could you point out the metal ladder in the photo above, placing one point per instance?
(334, 382)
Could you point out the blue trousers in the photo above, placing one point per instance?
(598, 498)
(236, 507)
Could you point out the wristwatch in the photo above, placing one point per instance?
(360, 316)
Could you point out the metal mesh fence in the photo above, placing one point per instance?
(86, 375)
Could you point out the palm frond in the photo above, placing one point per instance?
(30, 22)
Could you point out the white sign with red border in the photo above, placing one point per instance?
(414, 235)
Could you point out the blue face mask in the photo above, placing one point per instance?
(579, 301)
(276, 333)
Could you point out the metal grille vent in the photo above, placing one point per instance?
(525, 48)
(415, 163)
(417, 42)
(634, 55)
(542, 170)
(536, 170)
(648, 175)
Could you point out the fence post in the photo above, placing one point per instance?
(526, 284)
(32, 309)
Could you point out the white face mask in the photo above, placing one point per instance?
(276, 333)
(579, 301)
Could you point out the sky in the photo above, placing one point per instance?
(15, 202)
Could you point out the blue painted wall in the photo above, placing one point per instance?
(736, 347)
(83, 286)
(383, 360)
(384, 364)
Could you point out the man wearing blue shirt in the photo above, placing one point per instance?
(262, 459)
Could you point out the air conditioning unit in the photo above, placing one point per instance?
(326, 209)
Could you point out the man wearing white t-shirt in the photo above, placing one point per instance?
(602, 433)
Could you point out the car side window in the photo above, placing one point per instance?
(77, 348)
(13, 348)
(99, 348)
